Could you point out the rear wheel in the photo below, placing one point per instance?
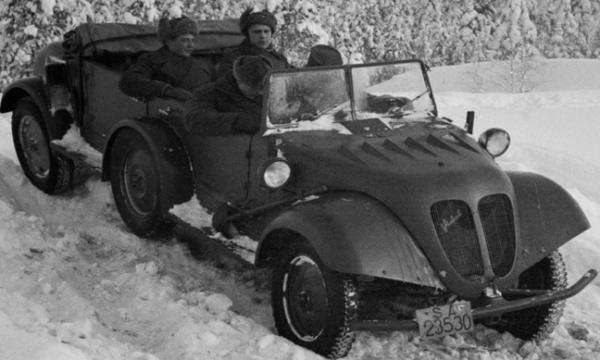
(313, 305)
(537, 323)
(138, 185)
(50, 173)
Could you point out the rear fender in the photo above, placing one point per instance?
(33, 87)
(548, 214)
(166, 145)
(352, 233)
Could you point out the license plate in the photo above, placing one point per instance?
(445, 319)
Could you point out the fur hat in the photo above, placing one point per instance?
(251, 70)
(170, 29)
(250, 18)
(324, 55)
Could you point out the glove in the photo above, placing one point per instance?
(177, 93)
(246, 123)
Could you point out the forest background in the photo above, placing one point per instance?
(518, 33)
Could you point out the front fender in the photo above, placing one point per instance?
(548, 214)
(164, 143)
(352, 233)
(31, 86)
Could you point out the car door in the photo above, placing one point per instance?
(103, 104)
(220, 166)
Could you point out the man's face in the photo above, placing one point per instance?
(251, 91)
(182, 45)
(260, 35)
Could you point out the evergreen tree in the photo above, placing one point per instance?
(585, 14)
(516, 36)
(441, 32)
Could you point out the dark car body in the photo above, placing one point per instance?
(390, 196)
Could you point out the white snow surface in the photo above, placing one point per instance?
(75, 284)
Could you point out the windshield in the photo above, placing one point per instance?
(363, 98)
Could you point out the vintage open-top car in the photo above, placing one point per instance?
(374, 213)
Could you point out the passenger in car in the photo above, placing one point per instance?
(258, 28)
(170, 71)
(305, 95)
(324, 55)
(232, 104)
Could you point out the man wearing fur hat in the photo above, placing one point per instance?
(258, 28)
(170, 71)
(232, 104)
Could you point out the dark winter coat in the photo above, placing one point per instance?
(153, 72)
(217, 106)
(278, 60)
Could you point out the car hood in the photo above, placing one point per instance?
(407, 169)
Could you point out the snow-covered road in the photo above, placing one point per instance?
(75, 284)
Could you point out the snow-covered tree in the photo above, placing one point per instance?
(515, 42)
(585, 14)
(441, 32)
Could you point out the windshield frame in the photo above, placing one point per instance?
(347, 70)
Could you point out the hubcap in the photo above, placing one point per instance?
(139, 186)
(34, 146)
(305, 298)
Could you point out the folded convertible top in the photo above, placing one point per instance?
(91, 39)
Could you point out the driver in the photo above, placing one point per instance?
(232, 104)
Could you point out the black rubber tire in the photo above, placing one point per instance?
(539, 322)
(312, 305)
(139, 186)
(53, 174)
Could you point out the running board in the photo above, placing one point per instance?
(203, 246)
(496, 308)
(78, 157)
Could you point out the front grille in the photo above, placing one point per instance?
(455, 228)
(498, 223)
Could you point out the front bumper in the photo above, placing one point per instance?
(497, 307)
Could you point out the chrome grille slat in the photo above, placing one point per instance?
(455, 227)
(498, 223)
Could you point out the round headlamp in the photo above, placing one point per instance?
(276, 172)
(495, 141)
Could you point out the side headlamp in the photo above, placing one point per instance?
(275, 172)
(495, 141)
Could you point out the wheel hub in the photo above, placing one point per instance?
(138, 184)
(138, 181)
(35, 149)
(306, 301)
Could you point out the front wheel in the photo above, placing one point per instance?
(313, 305)
(138, 186)
(50, 173)
(537, 323)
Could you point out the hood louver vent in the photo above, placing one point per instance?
(390, 146)
(432, 140)
(410, 148)
(414, 145)
(369, 149)
(344, 151)
(460, 142)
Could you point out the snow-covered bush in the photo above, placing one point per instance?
(441, 32)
